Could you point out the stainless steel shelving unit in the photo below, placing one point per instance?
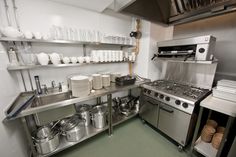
(27, 67)
(5, 39)
(90, 132)
(26, 115)
(113, 119)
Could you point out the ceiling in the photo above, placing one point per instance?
(94, 5)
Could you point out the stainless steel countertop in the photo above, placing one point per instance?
(98, 93)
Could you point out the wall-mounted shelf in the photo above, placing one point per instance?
(61, 42)
(27, 67)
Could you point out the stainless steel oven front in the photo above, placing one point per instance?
(174, 123)
(149, 109)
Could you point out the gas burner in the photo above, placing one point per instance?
(178, 89)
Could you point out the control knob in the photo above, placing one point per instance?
(177, 102)
(161, 96)
(167, 98)
(149, 92)
(156, 95)
(185, 105)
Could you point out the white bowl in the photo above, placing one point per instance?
(55, 58)
(81, 59)
(43, 58)
(66, 60)
(28, 35)
(11, 32)
(73, 60)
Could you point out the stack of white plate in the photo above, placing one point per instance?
(225, 89)
(97, 81)
(106, 82)
(80, 86)
(114, 75)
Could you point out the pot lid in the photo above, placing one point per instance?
(72, 123)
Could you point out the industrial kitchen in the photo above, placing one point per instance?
(99, 78)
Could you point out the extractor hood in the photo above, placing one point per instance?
(177, 11)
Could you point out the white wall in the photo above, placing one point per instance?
(39, 15)
(151, 34)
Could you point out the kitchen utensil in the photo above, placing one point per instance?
(55, 58)
(74, 129)
(46, 145)
(99, 116)
(80, 86)
(106, 82)
(97, 81)
(43, 58)
(84, 113)
(44, 132)
(66, 60)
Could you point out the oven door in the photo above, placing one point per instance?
(149, 110)
(174, 123)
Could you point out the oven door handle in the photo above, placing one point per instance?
(164, 109)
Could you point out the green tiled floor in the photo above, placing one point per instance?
(130, 139)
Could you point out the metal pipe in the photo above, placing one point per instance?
(7, 13)
(30, 79)
(109, 102)
(16, 15)
(23, 80)
(28, 135)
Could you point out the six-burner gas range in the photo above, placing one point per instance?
(171, 107)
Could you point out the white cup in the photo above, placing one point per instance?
(66, 60)
(37, 35)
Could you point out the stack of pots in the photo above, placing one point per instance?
(46, 140)
(73, 129)
(99, 116)
(84, 113)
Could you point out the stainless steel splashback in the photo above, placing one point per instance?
(197, 75)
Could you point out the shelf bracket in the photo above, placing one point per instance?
(84, 50)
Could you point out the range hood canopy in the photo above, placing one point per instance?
(176, 11)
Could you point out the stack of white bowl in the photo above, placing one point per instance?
(80, 86)
(106, 82)
(97, 81)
